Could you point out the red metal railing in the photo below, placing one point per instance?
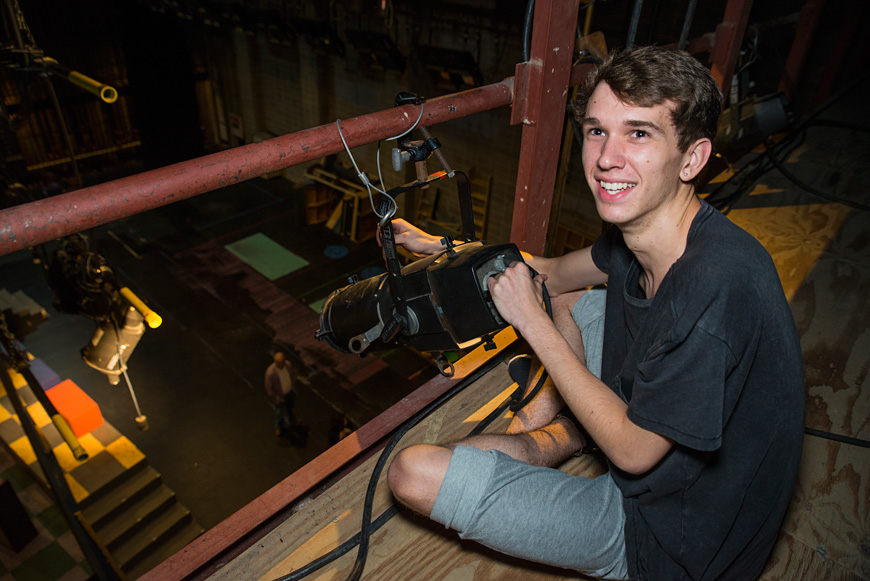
(44, 220)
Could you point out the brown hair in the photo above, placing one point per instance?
(647, 76)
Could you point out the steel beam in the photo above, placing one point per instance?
(44, 220)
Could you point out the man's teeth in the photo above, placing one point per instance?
(614, 187)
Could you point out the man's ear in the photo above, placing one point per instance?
(695, 159)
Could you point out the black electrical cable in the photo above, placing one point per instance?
(632, 25)
(528, 20)
(362, 538)
(752, 172)
(365, 531)
(796, 133)
(772, 158)
(807, 188)
(496, 413)
(810, 121)
(687, 24)
(588, 4)
(837, 437)
(527, 30)
(341, 550)
(517, 402)
(722, 200)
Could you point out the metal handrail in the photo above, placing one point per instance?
(44, 220)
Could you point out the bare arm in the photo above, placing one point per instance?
(570, 272)
(603, 414)
(413, 239)
(573, 271)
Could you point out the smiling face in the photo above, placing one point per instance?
(632, 160)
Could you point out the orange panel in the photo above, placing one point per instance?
(81, 412)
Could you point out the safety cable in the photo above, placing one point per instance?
(414, 126)
(364, 178)
(378, 161)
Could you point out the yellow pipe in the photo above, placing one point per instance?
(69, 437)
(153, 319)
(105, 92)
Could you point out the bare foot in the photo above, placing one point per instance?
(542, 409)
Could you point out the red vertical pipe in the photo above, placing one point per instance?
(854, 16)
(38, 222)
(544, 104)
(729, 36)
(800, 47)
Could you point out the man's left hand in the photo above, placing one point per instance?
(517, 296)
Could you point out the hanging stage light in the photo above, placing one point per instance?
(84, 283)
(439, 303)
(445, 299)
(111, 347)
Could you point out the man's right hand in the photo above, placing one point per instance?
(413, 239)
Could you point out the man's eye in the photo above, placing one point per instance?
(640, 134)
(594, 131)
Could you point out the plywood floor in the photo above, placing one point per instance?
(822, 253)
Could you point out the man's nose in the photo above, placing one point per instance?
(611, 154)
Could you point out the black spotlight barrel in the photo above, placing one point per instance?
(445, 295)
(350, 312)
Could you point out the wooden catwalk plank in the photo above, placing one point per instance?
(792, 559)
(821, 253)
(831, 502)
(795, 236)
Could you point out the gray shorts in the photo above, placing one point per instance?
(535, 513)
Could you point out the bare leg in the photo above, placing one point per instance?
(549, 445)
(416, 473)
(541, 410)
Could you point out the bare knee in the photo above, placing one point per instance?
(564, 303)
(415, 475)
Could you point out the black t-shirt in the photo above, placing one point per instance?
(713, 362)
